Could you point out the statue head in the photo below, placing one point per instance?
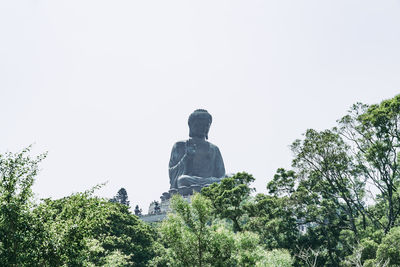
(199, 123)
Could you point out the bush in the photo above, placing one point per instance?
(389, 249)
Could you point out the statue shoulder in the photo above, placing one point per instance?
(178, 150)
(212, 146)
(179, 146)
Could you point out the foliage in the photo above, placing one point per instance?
(339, 206)
(273, 219)
(67, 228)
(188, 237)
(326, 171)
(329, 193)
(326, 193)
(126, 233)
(121, 197)
(389, 249)
(374, 133)
(228, 197)
(276, 258)
(369, 248)
(83, 229)
(79, 230)
(303, 205)
(273, 216)
(191, 238)
(17, 172)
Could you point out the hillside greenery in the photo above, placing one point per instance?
(339, 205)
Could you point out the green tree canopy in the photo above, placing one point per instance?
(228, 198)
(192, 238)
(17, 173)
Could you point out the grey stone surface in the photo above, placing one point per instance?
(195, 162)
(153, 217)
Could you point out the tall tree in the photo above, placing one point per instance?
(17, 173)
(192, 238)
(328, 190)
(229, 197)
(273, 219)
(85, 230)
(325, 168)
(374, 134)
(121, 197)
(302, 202)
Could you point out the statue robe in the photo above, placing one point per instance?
(204, 167)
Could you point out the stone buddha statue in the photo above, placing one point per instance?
(195, 162)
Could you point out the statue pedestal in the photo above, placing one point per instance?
(183, 191)
(158, 212)
(158, 215)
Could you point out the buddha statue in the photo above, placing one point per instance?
(195, 163)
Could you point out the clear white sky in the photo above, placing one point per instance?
(106, 87)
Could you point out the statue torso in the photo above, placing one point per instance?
(205, 162)
(202, 162)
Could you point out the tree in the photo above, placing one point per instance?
(326, 169)
(17, 172)
(299, 202)
(228, 197)
(121, 197)
(273, 219)
(374, 134)
(389, 249)
(327, 189)
(126, 233)
(187, 234)
(82, 230)
(273, 215)
(68, 229)
(157, 208)
(191, 238)
(79, 230)
(138, 211)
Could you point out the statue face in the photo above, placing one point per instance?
(200, 127)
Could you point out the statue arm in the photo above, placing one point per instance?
(219, 165)
(177, 163)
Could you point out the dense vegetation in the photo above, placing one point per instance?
(338, 206)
